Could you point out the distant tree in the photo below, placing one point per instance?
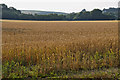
(83, 16)
(84, 10)
(3, 6)
(71, 16)
(96, 14)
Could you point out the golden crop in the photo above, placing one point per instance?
(61, 45)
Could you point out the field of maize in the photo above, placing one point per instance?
(77, 49)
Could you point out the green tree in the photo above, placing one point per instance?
(96, 14)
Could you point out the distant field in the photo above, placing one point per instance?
(56, 47)
(55, 21)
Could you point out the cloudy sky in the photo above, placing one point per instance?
(61, 5)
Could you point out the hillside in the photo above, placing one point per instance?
(40, 12)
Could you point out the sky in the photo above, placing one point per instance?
(67, 6)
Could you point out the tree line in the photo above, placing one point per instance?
(96, 14)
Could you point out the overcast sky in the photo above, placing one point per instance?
(61, 5)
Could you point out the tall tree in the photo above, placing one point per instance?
(96, 14)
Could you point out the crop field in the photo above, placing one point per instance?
(71, 49)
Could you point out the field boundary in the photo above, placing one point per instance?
(55, 21)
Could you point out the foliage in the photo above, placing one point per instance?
(96, 14)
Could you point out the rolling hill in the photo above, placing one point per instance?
(40, 12)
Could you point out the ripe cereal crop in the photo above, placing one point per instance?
(58, 48)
